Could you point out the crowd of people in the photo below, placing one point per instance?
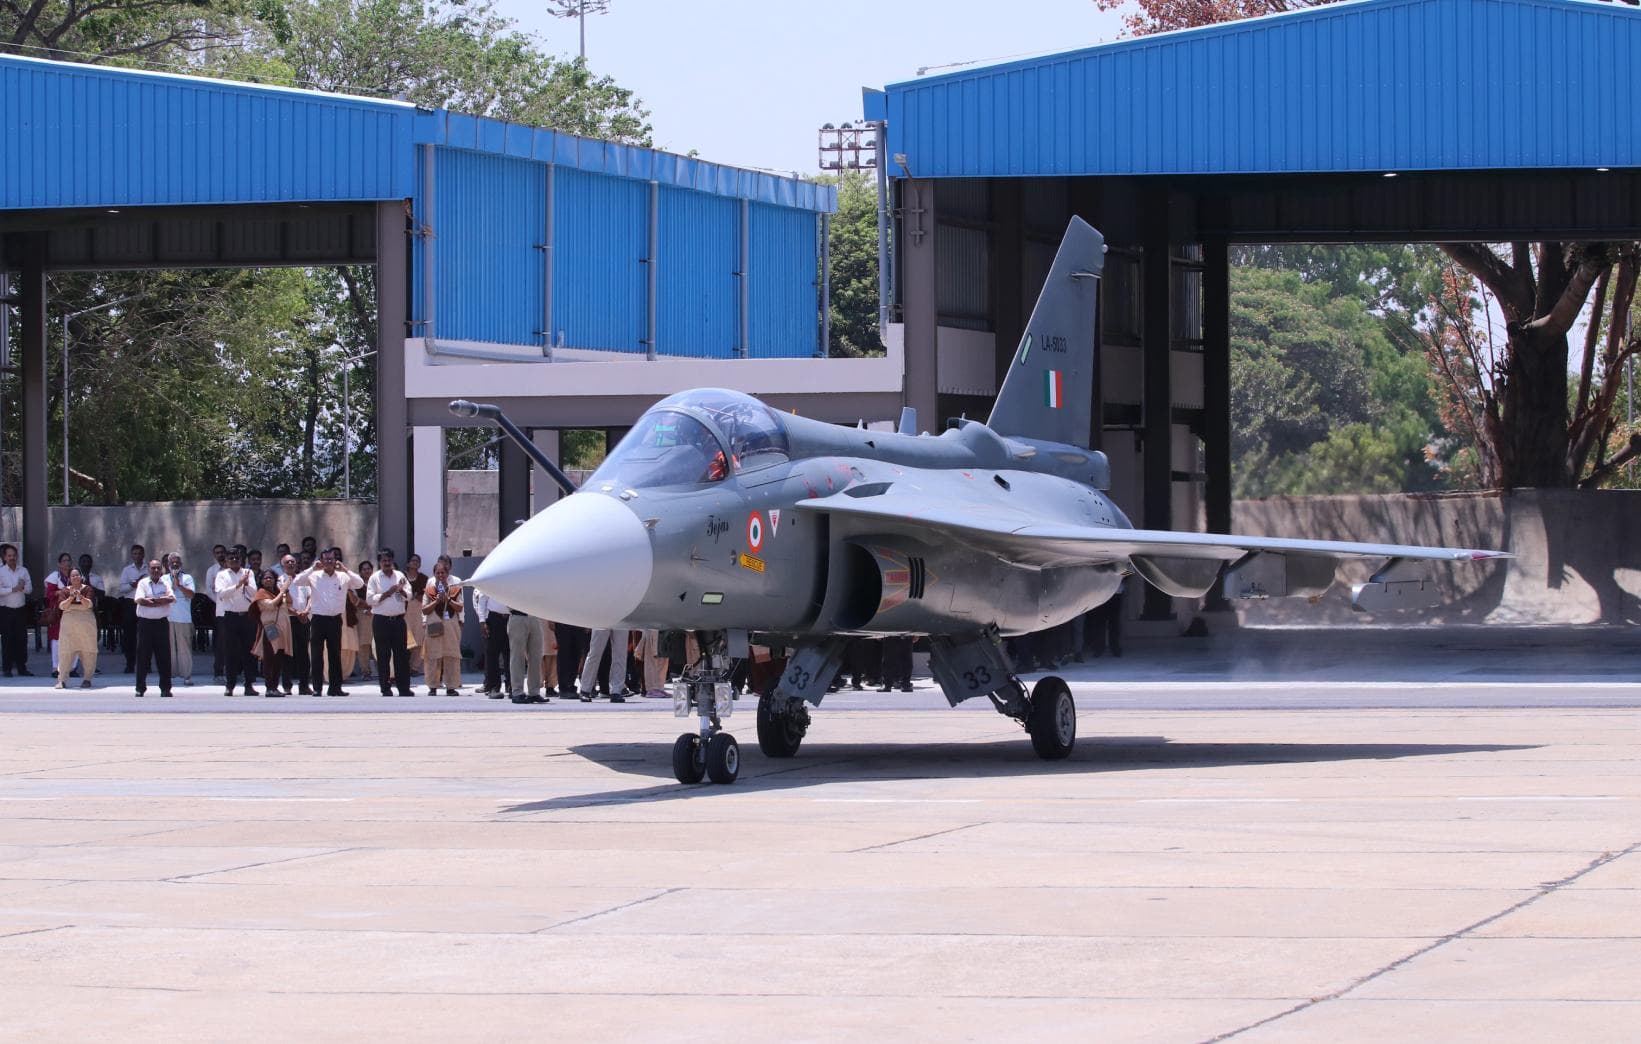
(308, 623)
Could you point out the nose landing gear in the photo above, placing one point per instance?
(710, 751)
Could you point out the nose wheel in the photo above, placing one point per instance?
(717, 759)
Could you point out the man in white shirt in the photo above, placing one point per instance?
(15, 587)
(329, 584)
(235, 587)
(388, 595)
(281, 553)
(220, 553)
(297, 663)
(152, 599)
(133, 572)
(181, 618)
(493, 615)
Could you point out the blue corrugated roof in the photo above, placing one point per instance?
(1374, 85)
(75, 135)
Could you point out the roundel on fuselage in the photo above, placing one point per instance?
(755, 532)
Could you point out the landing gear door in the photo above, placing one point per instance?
(969, 666)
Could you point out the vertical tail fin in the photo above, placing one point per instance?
(1049, 390)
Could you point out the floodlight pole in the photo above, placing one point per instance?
(66, 317)
(347, 424)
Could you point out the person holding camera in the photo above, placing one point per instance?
(442, 605)
(388, 594)
(153, 599)
(329, 583)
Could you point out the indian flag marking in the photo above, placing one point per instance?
(1054, 389)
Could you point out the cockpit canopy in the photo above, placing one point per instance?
(695, 438)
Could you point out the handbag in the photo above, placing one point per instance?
(270, 632)
(435, 628)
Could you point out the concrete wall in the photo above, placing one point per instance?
(1578, 556)
(192, 527)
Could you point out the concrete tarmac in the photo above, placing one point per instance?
(1275, 857)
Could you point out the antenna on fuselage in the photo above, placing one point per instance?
(908, 420)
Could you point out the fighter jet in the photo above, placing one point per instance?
(719, 514)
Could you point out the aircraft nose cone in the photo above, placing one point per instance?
(586, 560)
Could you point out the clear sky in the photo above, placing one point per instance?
(748, 82)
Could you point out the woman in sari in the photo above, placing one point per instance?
(271, 614)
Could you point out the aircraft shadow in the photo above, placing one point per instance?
(821, 763)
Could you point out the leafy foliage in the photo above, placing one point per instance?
(1322, 399)
(854, 267)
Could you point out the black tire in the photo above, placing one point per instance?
(779, 735)
(687, 763)
(1053, 719)
(723, 758)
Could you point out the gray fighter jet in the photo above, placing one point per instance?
(718, 514)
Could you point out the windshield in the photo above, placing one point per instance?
(756, 437)
(665, 448)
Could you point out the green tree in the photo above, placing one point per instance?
(1314, 379)
(126, 31)
(853, 244)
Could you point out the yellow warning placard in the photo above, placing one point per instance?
(754, 564)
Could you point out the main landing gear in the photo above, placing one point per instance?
(977, 665)
(710, 752)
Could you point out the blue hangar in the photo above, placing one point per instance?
(1377, 120)
(501, 251)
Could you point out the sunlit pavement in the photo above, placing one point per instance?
(1449, 857)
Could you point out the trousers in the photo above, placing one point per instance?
(496, 652)
(524, 637)
(236, 650)
(392, 652)
(325, 647)
(154, 645)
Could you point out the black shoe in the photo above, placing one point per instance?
(387, 692)
(887, 688)
(907, 687)
(433, 692)
(406, 694)
(451, 692)
(24, 672)
(274, 694)
(304, 690)
(165, 695)
(140, 694)
(498, 695)
(586, 697)
(251, 692)
(287, 690)
(618, 698)
(225, 692)
(856, 685)
(8, 672)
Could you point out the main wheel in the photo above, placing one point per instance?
(1053, 719)
(688, 763)
(779, 735)
(723, 758)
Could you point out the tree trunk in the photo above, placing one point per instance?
(1534, 450)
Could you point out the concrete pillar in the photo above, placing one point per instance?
(542, 487)
(392, 410)
(514, 479)
(31, 301)
(428, 478)
(920, 304)
(1157, 310)
(1216, 392)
